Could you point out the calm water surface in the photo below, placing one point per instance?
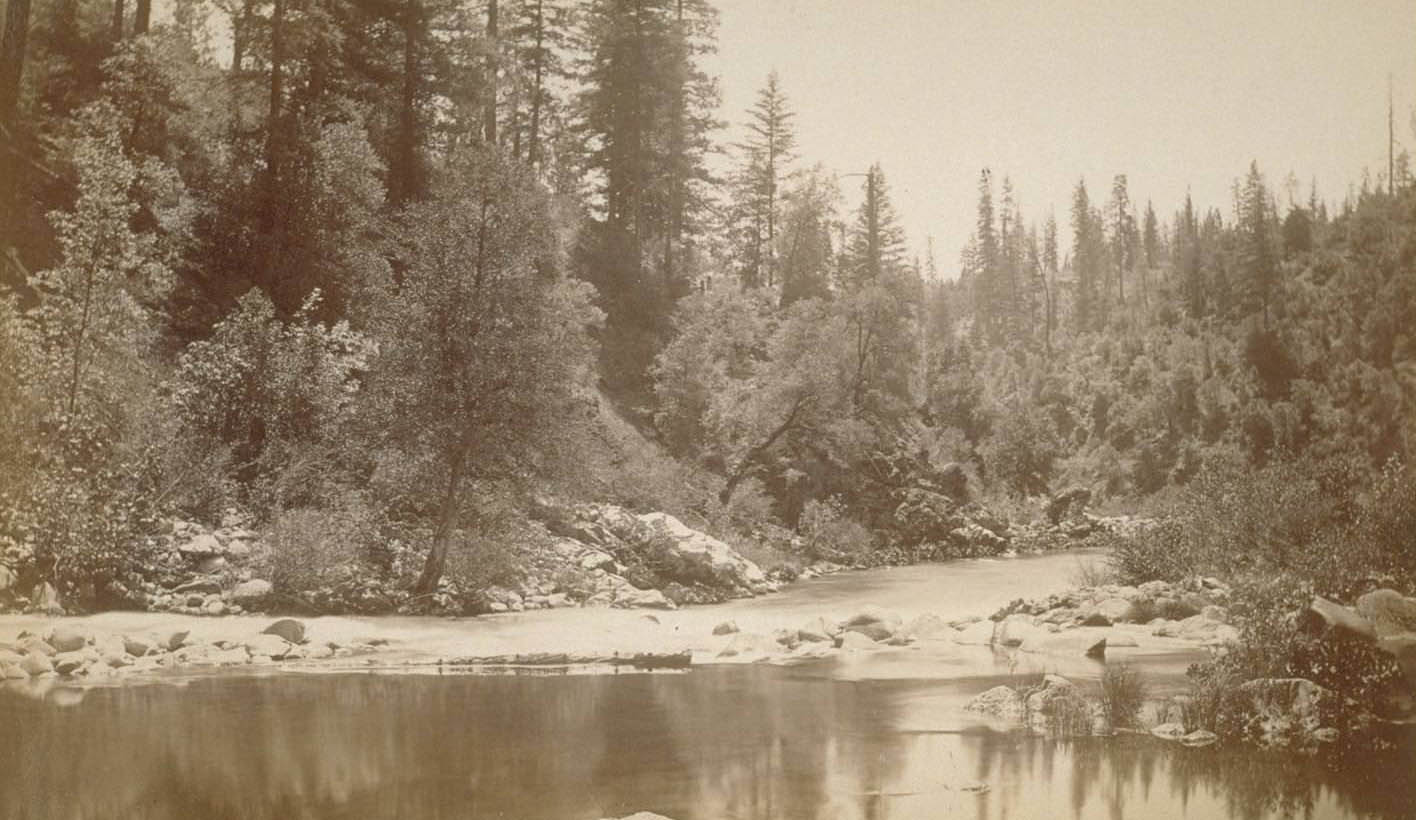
(877, 737)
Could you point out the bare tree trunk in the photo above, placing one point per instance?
(533, 150)
(119, 10)
(490, 114)
(142, 17)
(404, 183)
(12, 63)
(447, 522)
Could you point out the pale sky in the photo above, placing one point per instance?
(1173, 94)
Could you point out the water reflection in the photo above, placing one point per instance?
(753, 742)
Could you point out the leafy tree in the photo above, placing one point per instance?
(481, 342)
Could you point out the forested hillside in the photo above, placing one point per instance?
(374, 277)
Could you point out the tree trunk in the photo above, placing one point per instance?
(119, 10)
(490, 115)
(403, 186)
(12, 62)
(142, 17)
(533, 148)
(447, 522)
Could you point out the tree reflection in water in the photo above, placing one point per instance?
(744, 742)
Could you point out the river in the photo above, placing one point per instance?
(868, 735)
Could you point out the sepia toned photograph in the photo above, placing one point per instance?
(707, 410)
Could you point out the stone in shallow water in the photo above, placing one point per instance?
(1199, 737)
(1000, 701)
(287, 628)
(1168, 731)
(67, 638)
(853, 640)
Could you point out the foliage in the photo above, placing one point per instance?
(280, 395)
(1123, 693)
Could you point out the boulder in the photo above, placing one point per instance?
(138, 646)
(1068, 504)
(172, 640)
(200, 546)
(1168, 731)
(237, 548)
(1403, 648)
(1001, 701)
(874, 623)
(252, 591)
(1114, 610)
(852, 640)
(267, 645)
(1016, 629)
(67, 663)
(287, 628)
(1199, 737)
(37, 664)
(689, 556)
(817, 631)
(214, 606)
(68, 638)
(953, 480)
(749, 646)
(1388, 611)
(976, 539)
(978, 633)
(929, 627)
(12, 671)
(1330, 619)
(199, 586)
(725, 628)
(812, 651)
(31, 645)
(1042, 699)
(596, 559)
(10, 656)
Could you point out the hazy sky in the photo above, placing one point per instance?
(1173, 94)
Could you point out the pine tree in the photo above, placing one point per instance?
(1256, 248)
(765, 161)
(877, 243)
(1088, 262)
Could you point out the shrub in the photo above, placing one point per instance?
(1123, 692)
(277, 395)
(829, 533)
(325, 559)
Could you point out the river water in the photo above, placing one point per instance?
(875, 735)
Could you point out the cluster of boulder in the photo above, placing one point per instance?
(870, 628)
(196, 570)
(1055, 706)
(606, 556)
(73, 651)
(1193, 612)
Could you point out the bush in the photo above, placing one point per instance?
(1122, 693)
(328, 560)
(277, 396)
(830, 534)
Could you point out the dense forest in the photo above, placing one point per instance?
(373, 276)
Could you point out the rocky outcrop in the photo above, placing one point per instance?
(689, 556)
(1389, 612)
